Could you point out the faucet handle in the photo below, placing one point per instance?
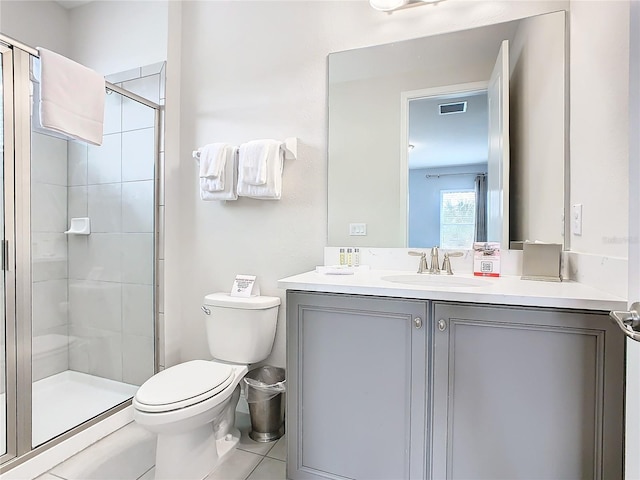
(446, 264)
(422, 265)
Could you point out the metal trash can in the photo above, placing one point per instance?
(265, 396)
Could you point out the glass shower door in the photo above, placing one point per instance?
(77, 311)
(92, 267)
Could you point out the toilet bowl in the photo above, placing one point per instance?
(191, 406)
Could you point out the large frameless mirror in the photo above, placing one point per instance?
(414, 137)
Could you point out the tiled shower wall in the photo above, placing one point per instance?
(49, 255)
(106, 298)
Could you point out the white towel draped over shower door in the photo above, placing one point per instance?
(71, 98)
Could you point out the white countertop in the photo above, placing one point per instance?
(505, 290)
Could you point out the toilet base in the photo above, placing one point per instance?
(192, 455)
(227, 444)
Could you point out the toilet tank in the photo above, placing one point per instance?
(240, 329)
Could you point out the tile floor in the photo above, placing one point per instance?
(129, 454)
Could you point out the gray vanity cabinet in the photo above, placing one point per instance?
(356, 387)
(522, 393)
(391, 389)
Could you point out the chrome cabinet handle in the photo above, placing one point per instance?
(629, 322)
(417, 322)
(442, 325)
(206, 310)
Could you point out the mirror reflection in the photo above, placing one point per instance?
(447, 177)
(411, 135)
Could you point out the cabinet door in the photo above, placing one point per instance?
(526, 394)
(356, 398)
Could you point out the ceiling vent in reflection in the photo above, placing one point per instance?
(449, 108)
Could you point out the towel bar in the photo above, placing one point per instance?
(290, 147)
(196, 153)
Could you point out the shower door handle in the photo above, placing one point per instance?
(4, 244)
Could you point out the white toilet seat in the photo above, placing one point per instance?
(183, 385)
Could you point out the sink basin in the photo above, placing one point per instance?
(436, 280)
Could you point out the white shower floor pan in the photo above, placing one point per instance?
(67, 399)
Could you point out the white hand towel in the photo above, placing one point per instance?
(252, 168)
(229, 176)
(213, 158)
(272, 188)
(71, 98)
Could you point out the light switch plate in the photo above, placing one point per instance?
(357, 229)
(576, 219)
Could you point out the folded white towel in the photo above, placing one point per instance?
(272, 188)
(253, 160)
(71, 98)
(213, 158)
(228, 178)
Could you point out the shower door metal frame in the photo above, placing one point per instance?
(8, 236)
(23, 247)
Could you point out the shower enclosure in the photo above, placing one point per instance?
(78, 258)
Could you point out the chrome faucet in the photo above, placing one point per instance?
(422, 265)
(435, 262)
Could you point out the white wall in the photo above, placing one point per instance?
(36, 24)
(114, 36)
(254, 70)
(108, 36)
(172, 272)
(599, 135)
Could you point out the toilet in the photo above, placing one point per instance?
(191, 406)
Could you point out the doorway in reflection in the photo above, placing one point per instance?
(447, 159)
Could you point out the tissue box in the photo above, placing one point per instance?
(541, 261)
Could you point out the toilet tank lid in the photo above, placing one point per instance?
(223, 299)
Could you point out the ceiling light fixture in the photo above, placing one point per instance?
(391, 5)
(387, 5)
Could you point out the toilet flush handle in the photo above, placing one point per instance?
(206, 310)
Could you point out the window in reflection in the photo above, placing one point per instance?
(457, 218)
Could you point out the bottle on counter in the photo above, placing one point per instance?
(343, 259)
(349, 256)
(356, 257)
